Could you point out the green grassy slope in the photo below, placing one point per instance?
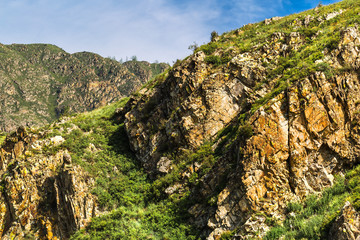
(122, 186)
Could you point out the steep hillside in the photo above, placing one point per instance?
(277, 102)
(55, 179)
(253, 136)
(39, 82)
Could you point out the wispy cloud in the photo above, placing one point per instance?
(154, 29)
(150, 29)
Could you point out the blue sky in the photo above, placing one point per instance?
(149, 29)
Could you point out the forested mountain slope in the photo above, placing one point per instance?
(39, 82)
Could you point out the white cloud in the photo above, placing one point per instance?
(150, 29)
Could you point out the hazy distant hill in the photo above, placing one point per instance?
(39, 82)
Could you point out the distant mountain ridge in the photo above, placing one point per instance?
(39, 82)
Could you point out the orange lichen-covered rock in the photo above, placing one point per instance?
(44, 196)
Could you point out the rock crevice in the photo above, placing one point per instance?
(45, 196)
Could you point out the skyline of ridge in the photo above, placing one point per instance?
(151, 30)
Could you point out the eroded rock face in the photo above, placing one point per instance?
(191, 106)
(261, 180)
(42, 197)
(301, 138)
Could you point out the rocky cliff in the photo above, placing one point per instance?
(284, 92)
(42, 196)
(39, 82)
(251, 137)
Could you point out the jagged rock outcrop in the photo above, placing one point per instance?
(301, 140)
(42, 196)
(347, 225)
(302, 134)
(41, 82)
(191, 106)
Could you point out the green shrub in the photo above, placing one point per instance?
(246, 131)
(275, 233)
(209, 48)
(294, 207)
(316, 56)
(214, 35)
(215, 60)
(244, 47)
(225, 59)
(2, 137)
(309, 32)
(326, 69)
(228, 235)
(332, 41)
